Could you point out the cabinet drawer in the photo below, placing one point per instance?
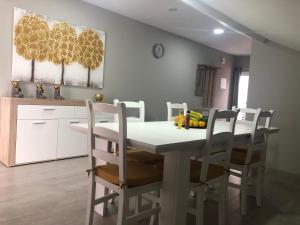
(81, 113)
(45, 112)
(36, 140)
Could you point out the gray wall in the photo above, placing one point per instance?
(274, 84)
(130, 70)
(242, 61)
(221, 96)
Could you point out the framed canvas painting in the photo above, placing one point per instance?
(56, 52)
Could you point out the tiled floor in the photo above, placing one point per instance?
(55, 193)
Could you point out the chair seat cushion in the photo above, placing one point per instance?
(214, 171)
(138, 174)
(144, 157)
(238, 156)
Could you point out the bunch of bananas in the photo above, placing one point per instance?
(195, 116)
(196, 119)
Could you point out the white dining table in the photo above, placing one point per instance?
(177, 146)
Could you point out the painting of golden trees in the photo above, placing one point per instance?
(31, 39)
(50, 51)
(91, 51)
(62, 45)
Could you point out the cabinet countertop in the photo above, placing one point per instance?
(36, 101)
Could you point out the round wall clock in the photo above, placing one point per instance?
(158, 50)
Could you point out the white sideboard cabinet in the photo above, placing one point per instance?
(36, 130)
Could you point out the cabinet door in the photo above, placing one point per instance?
(70, 143)
(36, 140)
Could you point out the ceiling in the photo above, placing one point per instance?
(276, 20)
(185, 21)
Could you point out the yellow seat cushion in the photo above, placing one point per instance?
(214, 171)
(138, 174)
(144, 157)
(238, 156)
(139, 155)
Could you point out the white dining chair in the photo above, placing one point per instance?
(138, 155)
(126, 178)
(140, 105)
(176, 106)
(248, 162)
(245, 113)
(209, 176)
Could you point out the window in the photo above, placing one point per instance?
(243, 93)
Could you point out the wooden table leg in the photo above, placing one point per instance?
(174, 194)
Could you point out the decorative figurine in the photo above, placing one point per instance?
(40, 91)
(16, 91)
(57, 92)
(98, 97)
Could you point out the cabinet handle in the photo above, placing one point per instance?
(75, 121)
(39, 122)
(103, 121)
(48, 108)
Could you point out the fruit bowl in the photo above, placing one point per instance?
(197, 120)
(194, 127)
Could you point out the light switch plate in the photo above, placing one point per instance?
(223, 83)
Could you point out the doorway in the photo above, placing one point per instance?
(243, 92)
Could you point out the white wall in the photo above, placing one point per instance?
(130, 70)
(274, 84)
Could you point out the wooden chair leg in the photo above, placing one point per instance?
(123, 208)
(113, 200)
(106, 192)
(244, 190)
(155, 218)
(138, 204)
(90, 203)
(259, 186)
(200, 206)
(222, 203)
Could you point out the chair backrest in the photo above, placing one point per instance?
(243, 112)
(260, 134)
(261, 121)
(171, 106)
(140, 105)
(108, 135)
(219, 142)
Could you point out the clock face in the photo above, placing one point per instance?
(158, 50)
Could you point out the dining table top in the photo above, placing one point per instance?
(163, 136)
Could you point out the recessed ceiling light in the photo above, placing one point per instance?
(173, 9)
(218, 31)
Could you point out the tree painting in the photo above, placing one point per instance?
(90, 51)
(62, 44)
(31, 39)
(49, 51)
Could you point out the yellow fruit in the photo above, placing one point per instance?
(196, 115)
(201, 124)
(176, 118)
(181, 117)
